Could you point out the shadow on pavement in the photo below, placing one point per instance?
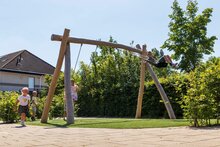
(19, 126)
(57, 125)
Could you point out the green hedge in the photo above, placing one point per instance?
(115, 102)
(153, 105)
(7, 106)
(56, 108)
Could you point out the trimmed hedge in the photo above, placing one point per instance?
(117, 103)
(153, 105)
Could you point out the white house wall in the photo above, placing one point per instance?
(10, 81)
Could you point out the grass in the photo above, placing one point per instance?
(114, 123)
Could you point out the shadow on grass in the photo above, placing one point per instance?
(96, 123)
(83, 124)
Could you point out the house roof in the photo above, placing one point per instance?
(25, 62)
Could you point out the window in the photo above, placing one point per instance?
(31, 83)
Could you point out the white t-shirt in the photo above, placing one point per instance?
(23, 100)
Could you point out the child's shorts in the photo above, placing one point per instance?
(74, 97)
(34, 109)
(23, 109)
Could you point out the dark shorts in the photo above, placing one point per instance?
(161, 63)
(23, 109)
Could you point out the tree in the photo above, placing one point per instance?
(188, 35)
(109, 86)
(201, 102)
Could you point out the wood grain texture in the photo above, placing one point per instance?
(56, 74)
(142, 79)
(95, 42)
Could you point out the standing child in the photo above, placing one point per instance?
(74, 90)
(34, 105)
(23, 101)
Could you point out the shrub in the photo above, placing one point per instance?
(7, 106)
(56, 108)
(202, 98)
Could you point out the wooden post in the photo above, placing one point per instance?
(162, 92)
(142, 79)
(56, 74)
(67, 83)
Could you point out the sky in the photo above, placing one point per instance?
(29, 24)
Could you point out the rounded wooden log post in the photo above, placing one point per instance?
(162, 92)
(67, 83)
(142, 79)
(95, 42)
(56, 74)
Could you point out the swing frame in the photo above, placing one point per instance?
(65, 52)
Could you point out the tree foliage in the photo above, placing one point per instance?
(188, 35)
(59, 86)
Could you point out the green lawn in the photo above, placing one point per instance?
(115, 123)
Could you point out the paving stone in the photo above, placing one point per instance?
(35, 136)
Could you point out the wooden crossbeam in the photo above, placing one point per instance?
(95, 42)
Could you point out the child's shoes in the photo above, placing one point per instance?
(23, 124)
(175, 65)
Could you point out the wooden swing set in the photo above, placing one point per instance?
(65, 52)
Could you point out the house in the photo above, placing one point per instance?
(23, 69)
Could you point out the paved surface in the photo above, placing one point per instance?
(13, 135)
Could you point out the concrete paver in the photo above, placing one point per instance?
(12, 135)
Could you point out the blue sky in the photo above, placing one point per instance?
(29, 24)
